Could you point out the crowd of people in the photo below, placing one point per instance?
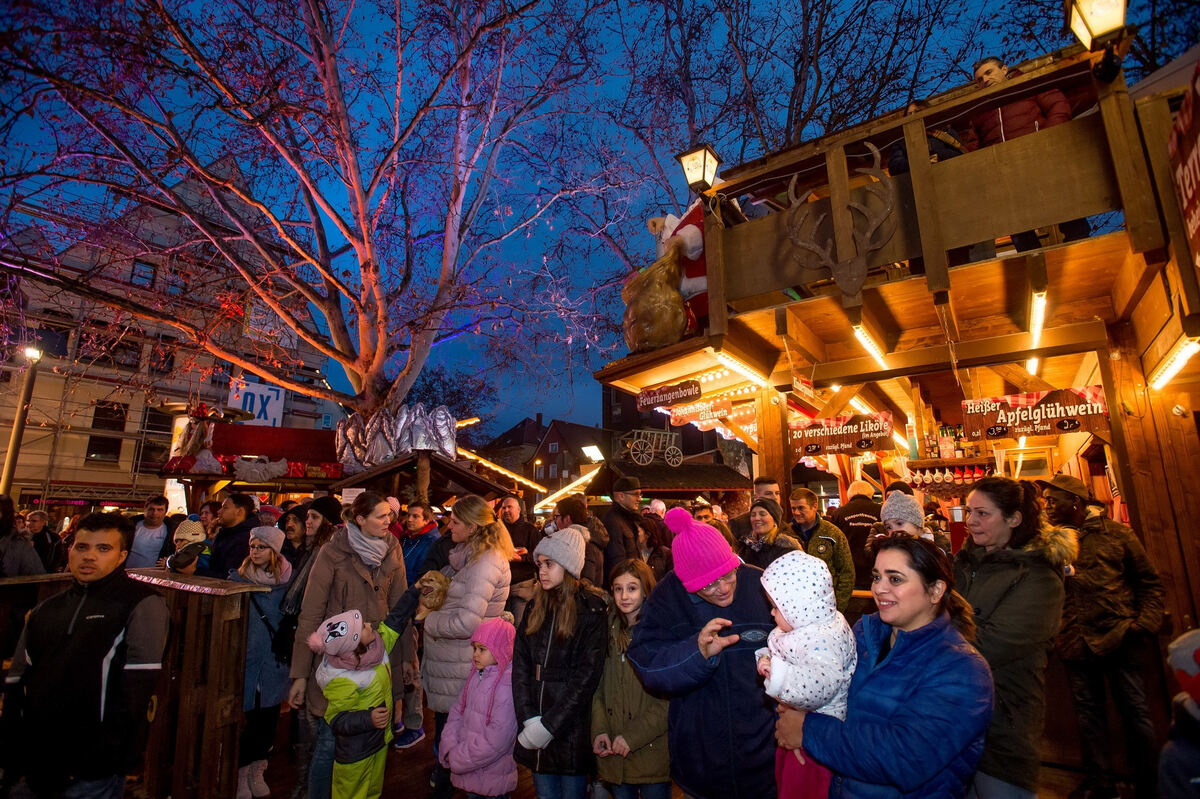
(645, 648)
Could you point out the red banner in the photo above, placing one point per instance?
(1037, 413)
(1184, 149)
(850, 435)
(703, 411)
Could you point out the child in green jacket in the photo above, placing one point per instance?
(357, 681)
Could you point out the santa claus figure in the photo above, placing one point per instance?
(686, 236)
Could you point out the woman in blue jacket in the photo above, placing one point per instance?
(695, 645)
(921, 696)
(266, 680)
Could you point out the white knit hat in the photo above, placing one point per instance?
(271, 536)
(565, 547)
(903, 508)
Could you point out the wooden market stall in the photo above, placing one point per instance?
(838, 298)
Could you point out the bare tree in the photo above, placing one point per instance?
(353, 176)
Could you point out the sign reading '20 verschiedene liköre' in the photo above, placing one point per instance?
(842, 435)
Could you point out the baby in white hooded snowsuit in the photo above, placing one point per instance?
(810, 656)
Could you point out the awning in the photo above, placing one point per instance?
(447, 479)
(668, 481)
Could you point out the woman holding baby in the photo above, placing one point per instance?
(918, 685)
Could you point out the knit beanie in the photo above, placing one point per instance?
(189, 532)
(565, 547)
(701, 553)
(394, 504)
(271, 536)
(770, 506)
(329, 507)
(337, 635)
(498, 636)
(902, 508)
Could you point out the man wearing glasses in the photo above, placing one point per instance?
(622, 522)
(695, 644)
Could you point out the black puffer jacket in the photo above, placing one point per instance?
(555, 679)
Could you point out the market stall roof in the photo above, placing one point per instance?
(447, 478)
(662, 480)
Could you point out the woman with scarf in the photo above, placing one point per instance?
(479, 579)
(361, 568)
(266, 678)
(766, 541)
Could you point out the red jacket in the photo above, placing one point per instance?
(1017, 118)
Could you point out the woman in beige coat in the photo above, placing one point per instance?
(479, 580)
(361, 568)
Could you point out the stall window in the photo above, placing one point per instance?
(107, 416)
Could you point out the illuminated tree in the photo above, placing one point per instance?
(353, 176)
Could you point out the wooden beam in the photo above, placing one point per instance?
(714, 258)
(800, 337)
(1019, 377)
(840, 399)
(880, 401)
(1062, 340)
(839, 199)
(736, 429)
(1129, 163)
(945, 315)
(937, 266)
(918, 415)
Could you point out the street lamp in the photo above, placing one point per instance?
(32, 356)
(1095, 22)
(699, 167)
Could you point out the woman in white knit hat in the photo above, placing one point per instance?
(266, 681)
(557, 664)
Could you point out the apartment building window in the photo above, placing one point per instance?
(541, 472)
(101, 347)
(53, 337)
(553, 447)
(142, 274)
(107, 416)
(154, 447)
(553, 470)
(162, 356)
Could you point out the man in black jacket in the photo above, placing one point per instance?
(231, 544)
(855, 519)
(87, 663)
(622, 521)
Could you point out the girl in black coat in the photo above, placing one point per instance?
(557, 663)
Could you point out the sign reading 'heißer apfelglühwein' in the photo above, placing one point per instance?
(666, 396)
(842, 435)
(1038, 413)
(1183, 147)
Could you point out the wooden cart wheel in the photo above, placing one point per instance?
(673, 456)
(641, 452)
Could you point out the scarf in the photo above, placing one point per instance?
(368, 660)
(371, 550)
(260, 576)
(755, 544)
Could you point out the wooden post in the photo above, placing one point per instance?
(937, 274)
(422, 477)
(774, 447)
(839, 202)
(714, 261)
(1129, 165)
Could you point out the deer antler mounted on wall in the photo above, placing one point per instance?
(871, 228)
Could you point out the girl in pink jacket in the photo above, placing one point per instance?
(477, 741)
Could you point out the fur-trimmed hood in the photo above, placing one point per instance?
(1057, 546)
(598, 533)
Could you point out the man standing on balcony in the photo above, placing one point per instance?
(1019, 118)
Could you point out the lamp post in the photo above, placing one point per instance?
(1099, 25)
(699, 167)
(32, 356)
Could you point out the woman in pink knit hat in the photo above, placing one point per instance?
(695, 644)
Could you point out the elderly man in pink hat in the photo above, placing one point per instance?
(695, 644)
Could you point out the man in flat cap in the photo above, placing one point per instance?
(1113, 609)
(622, 521)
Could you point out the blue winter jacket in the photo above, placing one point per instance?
(415, 549)
(916, 722)
(264, 676)
(720, 725)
